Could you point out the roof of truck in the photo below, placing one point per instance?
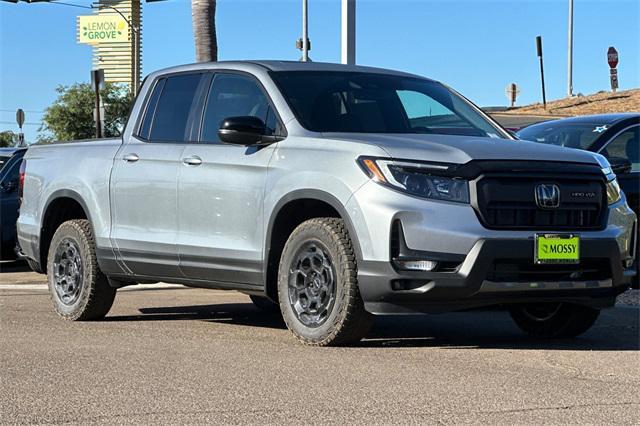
(273, 65)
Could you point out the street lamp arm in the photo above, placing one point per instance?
(106, 6)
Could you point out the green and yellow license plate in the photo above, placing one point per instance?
(557, 248)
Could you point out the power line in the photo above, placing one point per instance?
(32, 111)
(14, 123)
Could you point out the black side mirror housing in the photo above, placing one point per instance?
(245, 130)
(620, 165)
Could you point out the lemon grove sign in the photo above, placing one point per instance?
(93, 29)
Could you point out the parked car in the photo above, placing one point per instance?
(5, 155)
(333, 192)
(616, 136)
(9, 204)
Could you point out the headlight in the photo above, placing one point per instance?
(613, 191)
(418, 179)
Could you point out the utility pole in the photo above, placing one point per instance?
(348, 32)
(570, 52)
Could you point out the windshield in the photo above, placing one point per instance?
(379, 103)
(570, 135)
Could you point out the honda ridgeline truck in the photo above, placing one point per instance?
(331, 193)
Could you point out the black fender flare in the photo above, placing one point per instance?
(313, 194)
(60, 193)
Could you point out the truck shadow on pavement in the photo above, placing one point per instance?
(616, 330)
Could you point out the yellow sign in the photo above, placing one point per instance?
(94, 29)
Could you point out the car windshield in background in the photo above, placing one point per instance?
(378, 103)
(570, 135)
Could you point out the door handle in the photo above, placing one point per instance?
(194, 160)
(131, 158)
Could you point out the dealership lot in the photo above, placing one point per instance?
(190, 355)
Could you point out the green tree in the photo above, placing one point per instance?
(6, 139)
(71, 115)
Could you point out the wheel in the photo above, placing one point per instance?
(79, 290)
(318, 286)
(554, 319)
(265, 304)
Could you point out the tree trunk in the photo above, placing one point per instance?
(203, 16)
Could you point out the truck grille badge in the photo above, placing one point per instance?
(548, 196)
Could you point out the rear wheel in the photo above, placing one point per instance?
(554, 319)
(318, 287)
(79, 290)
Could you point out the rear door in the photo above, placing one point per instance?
(221, 188)
(145, 179)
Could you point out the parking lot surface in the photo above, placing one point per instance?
(177, 355)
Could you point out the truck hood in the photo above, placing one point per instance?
(462, 149)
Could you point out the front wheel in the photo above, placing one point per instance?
(79, 290)
(554, 319)
(318, 286)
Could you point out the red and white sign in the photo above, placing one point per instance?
(612, 57)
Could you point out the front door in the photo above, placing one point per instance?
(145, 180)
(221, 189)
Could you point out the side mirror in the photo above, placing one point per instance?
(620, 165)
(244, 130)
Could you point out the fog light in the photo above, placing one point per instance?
(417, 265)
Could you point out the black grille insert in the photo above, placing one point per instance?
(509, 202)
(518, 270)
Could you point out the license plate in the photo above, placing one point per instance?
(557, 248)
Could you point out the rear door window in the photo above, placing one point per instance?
(171, 114)
(625, 145)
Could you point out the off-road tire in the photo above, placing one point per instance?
(567, 321)
(95, 295)
(348, 321)
(265, 304)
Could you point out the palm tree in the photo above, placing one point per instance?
(203, 16)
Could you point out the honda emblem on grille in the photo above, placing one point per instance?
(548, 196)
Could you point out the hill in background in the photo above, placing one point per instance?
(598, 103)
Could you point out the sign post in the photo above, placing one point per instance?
(512, 92)
(539, 49)
(20, 121)
(97, 83)
(612, 59)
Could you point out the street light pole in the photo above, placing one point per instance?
(305, 31)
(570, 52)
(348, 32)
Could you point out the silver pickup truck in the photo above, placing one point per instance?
(328, 193)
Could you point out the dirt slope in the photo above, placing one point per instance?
(598, 103)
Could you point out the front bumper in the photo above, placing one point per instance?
(477, 283)
(453, 232)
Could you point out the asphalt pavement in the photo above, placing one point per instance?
(178, 355)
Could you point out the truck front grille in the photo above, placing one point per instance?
(510, 203)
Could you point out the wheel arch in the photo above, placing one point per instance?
(281, 223)
(61, 205)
